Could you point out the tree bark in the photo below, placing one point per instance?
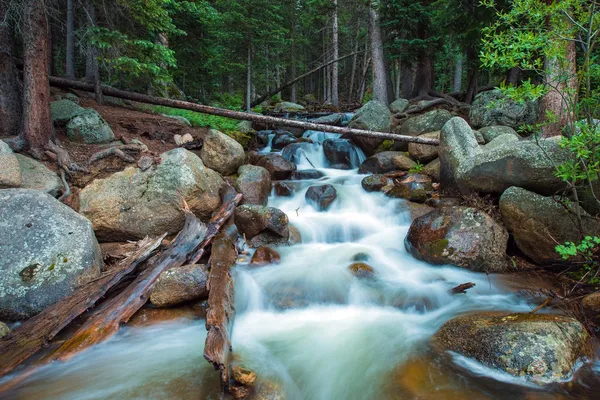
(380, 76)
(458, 70)
(10, 86)
(472, 74)
(293, 95)
(91, 63)
(184, 105)
(353, 75)
(561, 77)
(249, 79)
(335, 96)
(37, 125)
(70, 52)
(407, 76)
(397, 86)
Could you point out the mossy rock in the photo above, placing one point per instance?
(90, 128)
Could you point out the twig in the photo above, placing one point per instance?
(544, 304)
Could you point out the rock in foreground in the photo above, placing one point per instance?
(254, 183)
(459, 236)
(539, 347)
(181, 284)
(48, 250)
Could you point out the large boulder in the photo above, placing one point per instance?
(489, 133)
(373, 116)
(387, 161)
(48, 251)
(253, 220)
(466, 167)
(10, 172)
(36, 175)
(538, 223)
(340, 153)
(538, 347)
(399, 106)
(62, 111)
(321, 197)
(424, 153)
(179, 285)
(278, 167)
(254, 183)
(459, 236)
(132, 204)
(493, 108)
(90, 128)
(222, 153)
(431, 121)
(288, 106)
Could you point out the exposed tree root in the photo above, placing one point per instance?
(65, 165)
(117, 151)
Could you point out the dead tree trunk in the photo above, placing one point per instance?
(10, 87)
(380, 76)
(37, 125)
(335, 96)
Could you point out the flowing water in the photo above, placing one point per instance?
(307, 324)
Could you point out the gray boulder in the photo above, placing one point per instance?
(386, 161)
(429, 122)
(262, 225)
(179, 285)
(90, 128)
(288, 106)
(332, 119)
(500, 141)
(48, 250)
(459, 236)
(538, 223)
(399, 106)
(373, 116)
(539, 347)
(62, 111)
(254, 183)
(466, 167)
(132, 203)
(10, 172)
(489, 133)
(424, 153)
(222, 153)
(493, 108)
(36, 175)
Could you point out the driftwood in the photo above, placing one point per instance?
(299, 78)
(117, 151)
(462, 288)
(143, 98)
(37, 331)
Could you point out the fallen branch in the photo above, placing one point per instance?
(116, 151)
(38, 330)
(544, 304)
(462, 288)
(184, 105)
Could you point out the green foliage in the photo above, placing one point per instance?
(225, 125)
(585, 146)
(588, 250)
(417, 168)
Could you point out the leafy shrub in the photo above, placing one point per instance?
(588, 250)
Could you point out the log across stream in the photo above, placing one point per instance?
(306, 326)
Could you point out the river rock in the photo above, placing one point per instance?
(283, 189)
(459, 236)
(179, 285)
(431, 121)
(373, 116)
(399, 106)
(252, 220)
(306, 174)
(132, 203)
(340, 153)
(48, 251)
(386, 161)
(493, 108)
(90, 128)
(413, 187)
(222, 153)
(416, 210)
(62, 111)
(331, 119)
(278, 167)
(539, 347)
(254, 183)
(282, 138)
(35, 175)
(361, 270)
(288, 106)
(10, 172)
(293, 152)
(592, 302)
(489, 133)
(264, 256)
(263, 136)
(466, 167)
(4, 330)
(538, 223)
(433, 170)
(321, 197)
(424, 153)
(374, 183)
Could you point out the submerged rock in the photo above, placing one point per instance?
(321, 197)
(132, 204)
(222, 153)
(493, 108)
(459, 236)
(48, 251)
(254, 183)
(179, 285)
(306, 174)
(90, 128)
(539, 347)
(264, 256)
(339, 153)
(361, 270)
(282, 139)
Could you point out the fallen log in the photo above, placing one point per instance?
(38, 330)
(184, 105)
(462, 288)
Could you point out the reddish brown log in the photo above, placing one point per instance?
(462, 288)
(34, 333)
(184, 105)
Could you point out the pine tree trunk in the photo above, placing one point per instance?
(561, 77)
(424, 77)
(91, 63)
(249, 79)
(353, 75)
(380, 76)
(268, 87)
(37, 126)
(10, 87)
(70, 56)
(398, 79)
(293, 66)
(472, 75)
(407, 77)
(335, 97)
(458, 71)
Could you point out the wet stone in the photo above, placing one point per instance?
(306, 174)
(321, 197)
(264, 256)
(374, 183)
